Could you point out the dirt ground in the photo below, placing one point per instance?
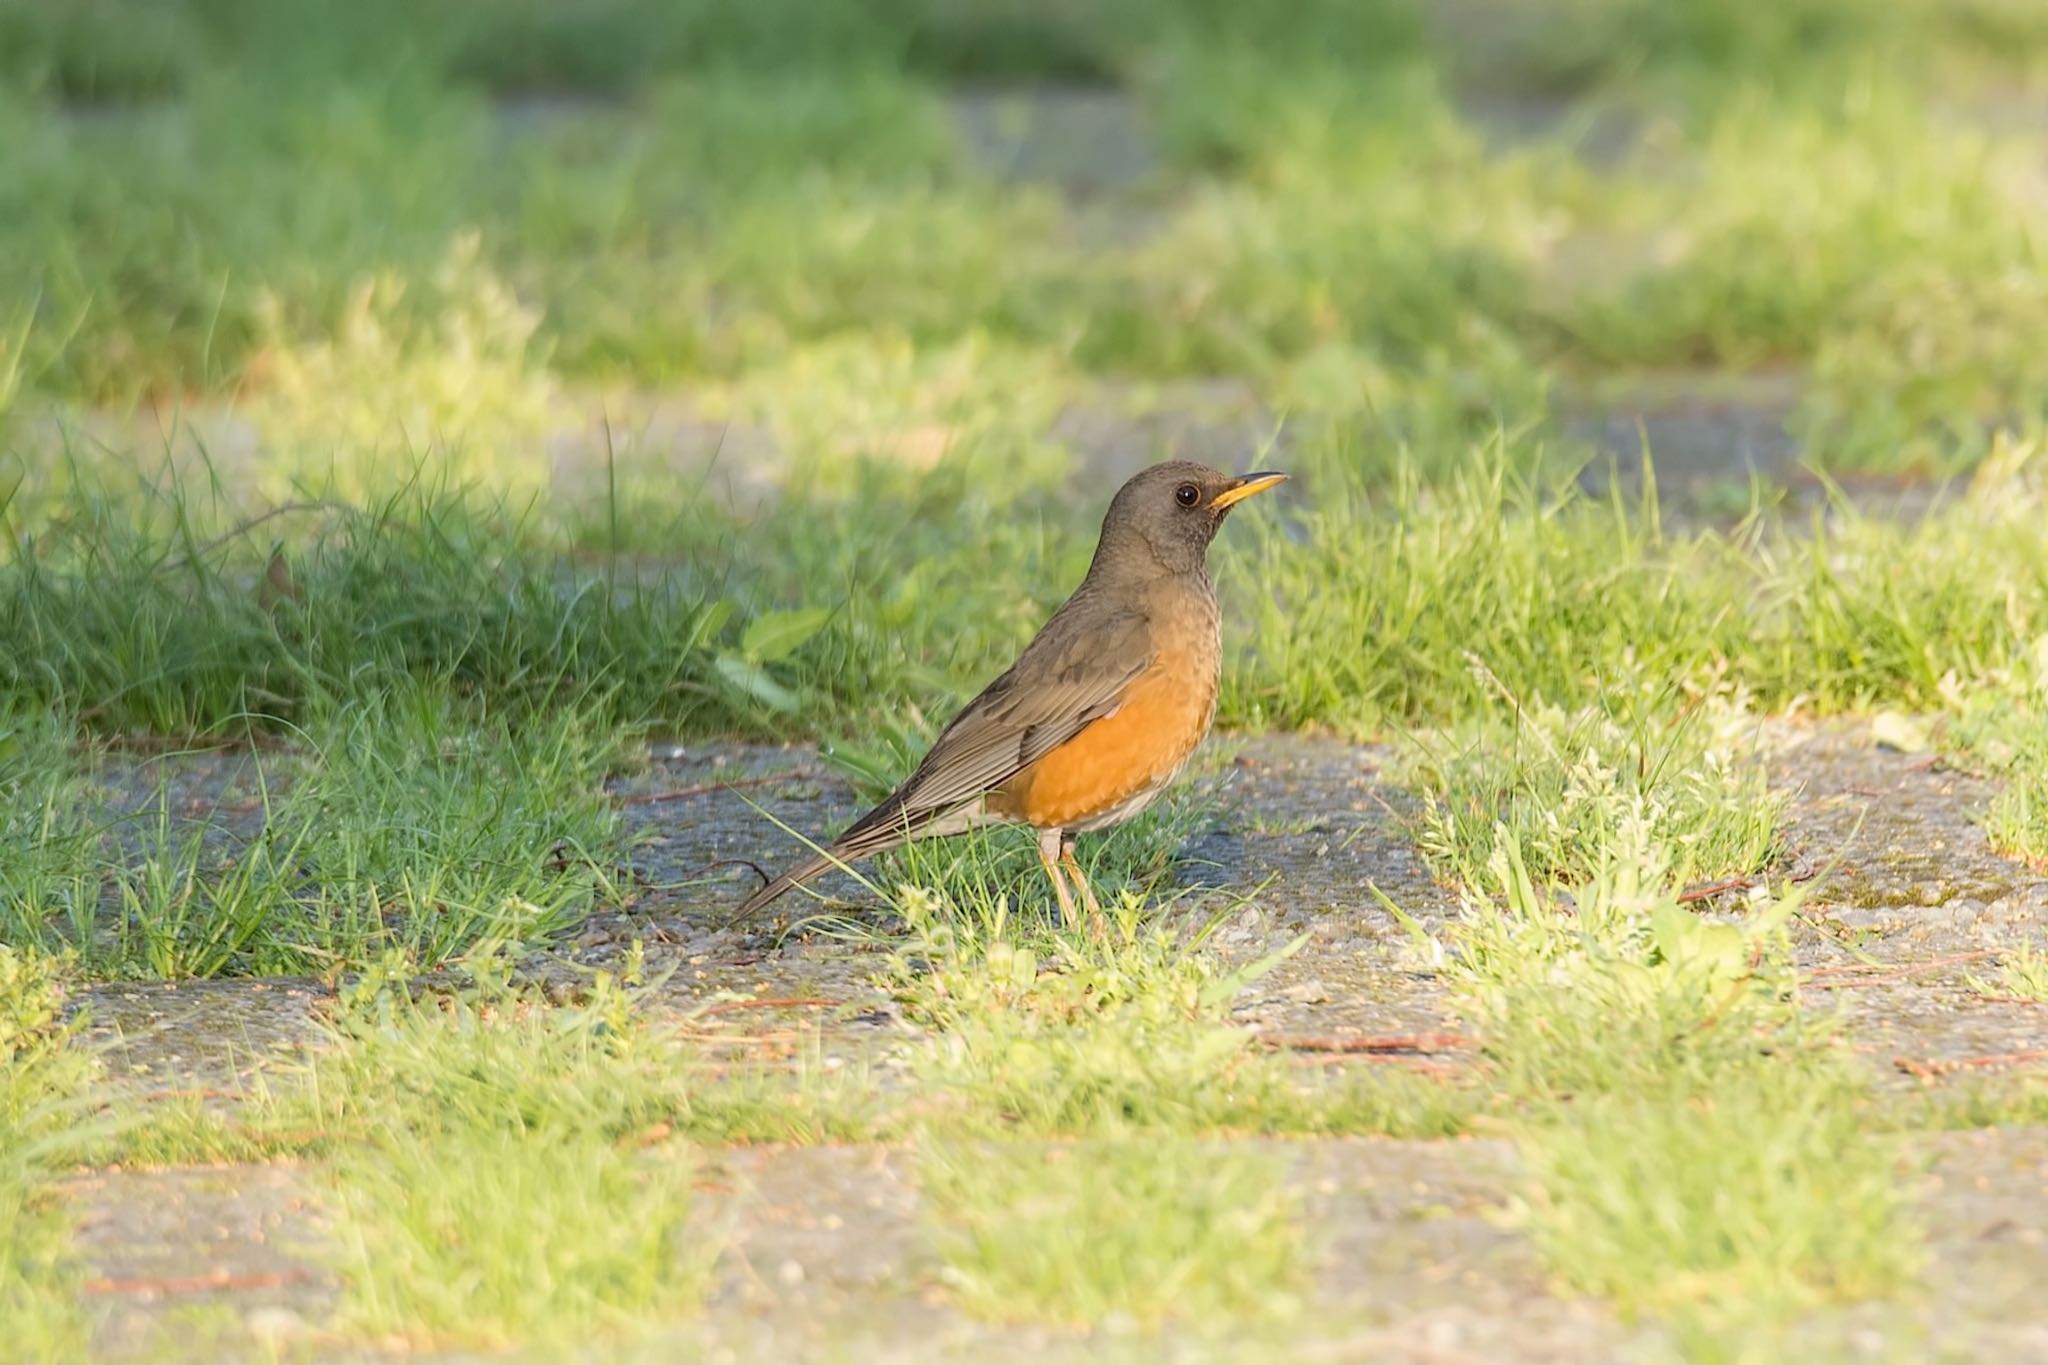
(823, 1259)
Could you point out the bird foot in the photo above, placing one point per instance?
(1098, 923)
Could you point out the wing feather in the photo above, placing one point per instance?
(1061, 684)
(1072, 674)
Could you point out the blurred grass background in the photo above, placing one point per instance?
(734, 362)
(681, 191)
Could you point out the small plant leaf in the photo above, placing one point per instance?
(705, 624)
(750, 679)
(779, 634)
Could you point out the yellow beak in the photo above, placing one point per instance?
(1244, 488)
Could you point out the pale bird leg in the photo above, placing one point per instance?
(1048, 854)
(1098, 926)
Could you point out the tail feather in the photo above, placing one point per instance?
(784, 883)
(881, 829)
(856, 843)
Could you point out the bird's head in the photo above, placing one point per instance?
(1170, 512)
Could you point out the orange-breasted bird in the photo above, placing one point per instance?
(1102, 709)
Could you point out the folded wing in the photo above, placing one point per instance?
(1065, 680)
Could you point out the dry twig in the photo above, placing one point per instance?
(1928, 1070)
(1382, 1044)
(212, 1281)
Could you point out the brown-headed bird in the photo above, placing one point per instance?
(1102, 709)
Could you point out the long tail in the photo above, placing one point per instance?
(876, 832)
(789, 880)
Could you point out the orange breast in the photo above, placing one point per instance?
(1141, 746)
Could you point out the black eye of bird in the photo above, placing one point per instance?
(1187, 495)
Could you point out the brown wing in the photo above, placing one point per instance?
(1074, 673)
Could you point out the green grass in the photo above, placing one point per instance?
(2022, 975)
(156, 626)
(1323, 221)
(373, 265)
(1686, 1132)
(771, 202)
(2007, 736)
(41, 1081)
(50, 862)
(1427, 601)
(1694, 1146)
(1556, 786)
(435, 835)
(455, 679)
(1762, 1194)
(1699, 46)
(112, 50)
(409, 823)
(2017, 1101)
(1388, 599)
(490, 1191)
(169, 611)
(1131, 1231)
(404, 1055)
(104, 50)
(1620, 983)
(1038, 1031)
(1586, 975)
(446, 1127)
(498, 1170)
(492, 1234)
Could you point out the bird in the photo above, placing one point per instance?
(1101, 711)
